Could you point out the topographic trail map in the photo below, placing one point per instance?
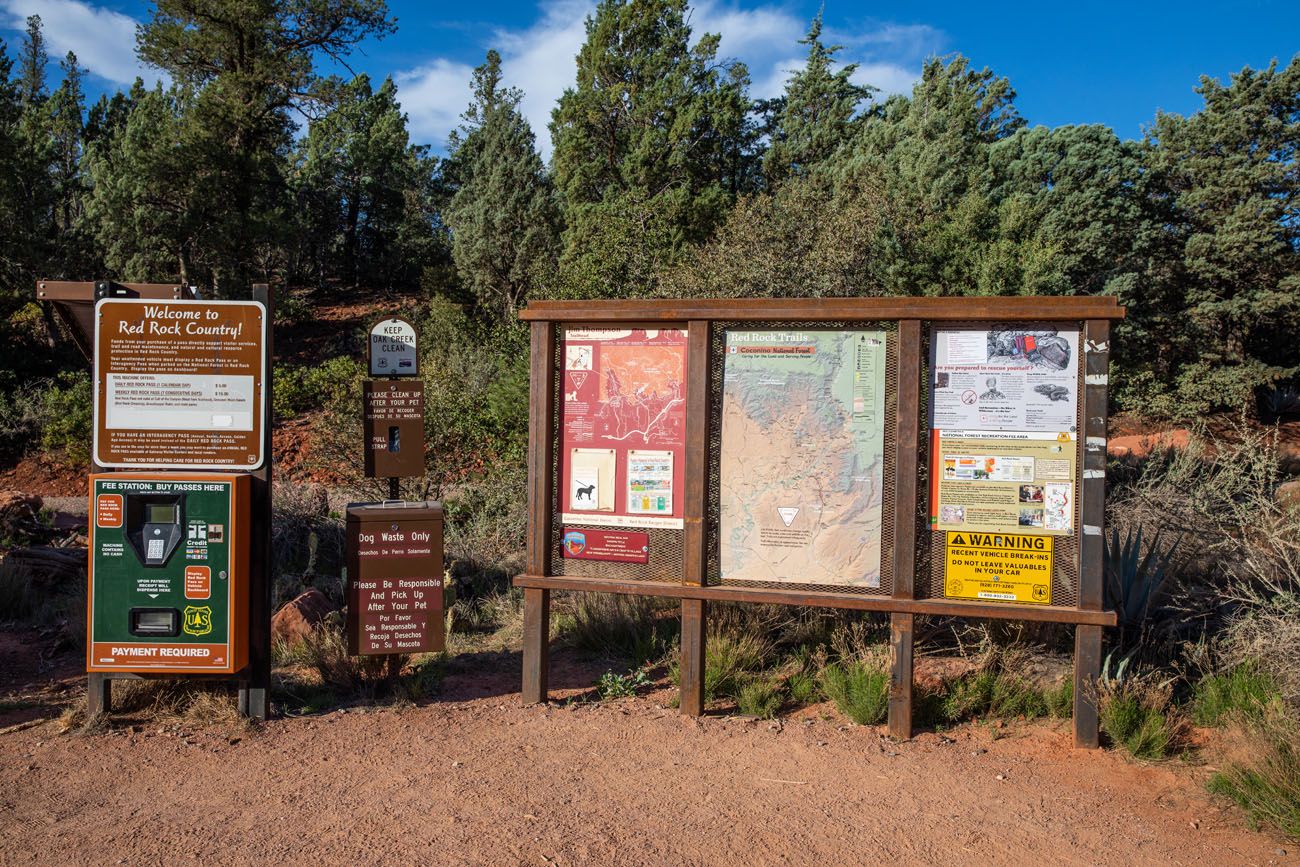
(802, 467)
(623, 427)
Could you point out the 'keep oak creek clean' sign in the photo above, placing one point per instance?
(998, 567)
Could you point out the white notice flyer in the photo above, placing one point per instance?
(1005, 379)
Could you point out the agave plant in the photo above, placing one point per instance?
(1134, 580)
(1283, 400)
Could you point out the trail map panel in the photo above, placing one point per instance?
(802, 460)
(179, 384)
(623, 427)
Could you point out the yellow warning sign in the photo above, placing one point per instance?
(998, 567)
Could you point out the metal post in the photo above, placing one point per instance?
(255, 688)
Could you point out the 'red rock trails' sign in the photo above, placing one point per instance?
(179, 384)
(394, 578)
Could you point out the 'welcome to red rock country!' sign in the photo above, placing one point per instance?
(179, 384)
(394, 578)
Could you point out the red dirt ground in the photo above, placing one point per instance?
(474, 777)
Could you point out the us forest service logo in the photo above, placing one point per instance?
(575, 543)
(198, 620)
(954, 587)
(1040, 593)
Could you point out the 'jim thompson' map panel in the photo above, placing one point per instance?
(623, 427)
(802, 457)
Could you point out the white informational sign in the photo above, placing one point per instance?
(1005, 380)
(392, 348)
(180, 384)
(170, 401)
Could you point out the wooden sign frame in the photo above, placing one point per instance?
(912, 318)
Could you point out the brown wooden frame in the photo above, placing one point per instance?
(1093, 314)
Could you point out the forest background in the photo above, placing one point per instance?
(668, 179)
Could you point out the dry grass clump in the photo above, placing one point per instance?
(307, 542)
(1266, 635)
(636, 628)
(164, 703)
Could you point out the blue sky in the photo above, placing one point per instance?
(1109, 63)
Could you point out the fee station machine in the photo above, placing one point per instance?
(167, 590)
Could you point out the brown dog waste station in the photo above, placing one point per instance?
(395, 578)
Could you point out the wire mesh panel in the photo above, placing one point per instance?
(713, 515)
(930, 548)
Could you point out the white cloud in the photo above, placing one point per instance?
(434, 96)
(103, 40)
(888, 78)
(540, 59)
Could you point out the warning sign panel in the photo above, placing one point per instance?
(998, 567)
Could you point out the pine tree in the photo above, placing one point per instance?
(14, 288)
(1231, 172)
(67, 129)
(32, 63)
(503, 216)
(364, 188)
(817, 113)
(242, 65)
(142, 208)
(646, 144)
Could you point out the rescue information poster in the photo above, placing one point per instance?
(998, 567)
(179, 384)
(623, 427)
(1005, 380)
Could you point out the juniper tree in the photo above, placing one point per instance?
(503, 216)
(817, 113)
(646, 142)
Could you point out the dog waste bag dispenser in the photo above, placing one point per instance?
(168, 572)
(394, 556)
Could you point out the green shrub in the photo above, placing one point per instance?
(611, 685)
(728, 657)
(1146, 732)
(1060, 700)
(803, 689)
(486, 520)
(860, 691)
(991, 693)
(67, 415)
(760, 697)
(329, 385)
(1267, 786)
(1240, 690)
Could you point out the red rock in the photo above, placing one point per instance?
(17, 508)
(1141, 445)
(297, 619)
(1288, 495)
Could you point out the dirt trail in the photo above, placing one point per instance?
(479, 779)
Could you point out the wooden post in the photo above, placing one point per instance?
(537, 647)
(694, 510)
(906, 421)
(691, 679)
(537, 602)
(1092, 545)
(255, 688)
